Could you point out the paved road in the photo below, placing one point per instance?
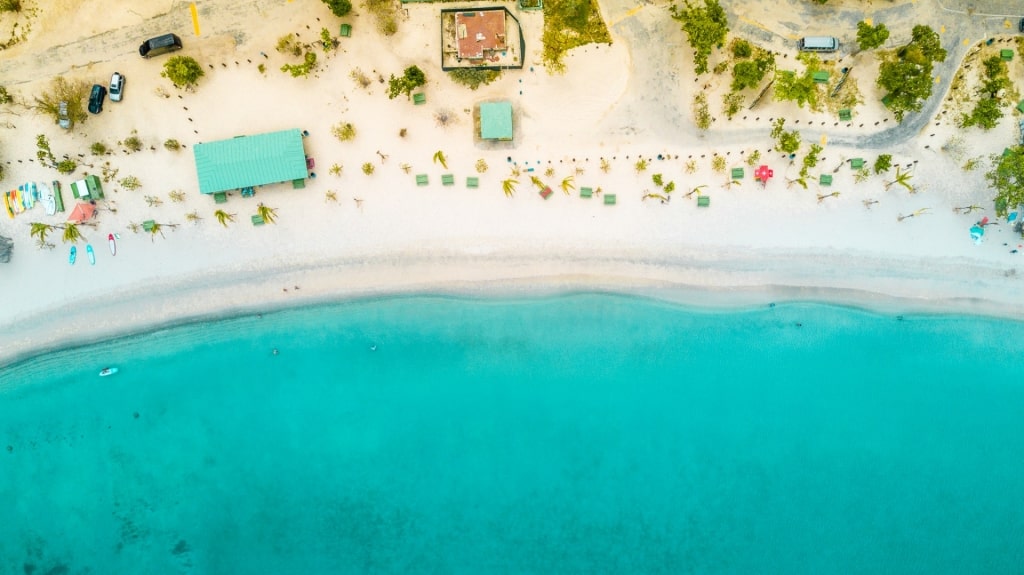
(654, 39)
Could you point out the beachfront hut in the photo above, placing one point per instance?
(81, 213)
(249, 161)
(88, 188)
(496, 121)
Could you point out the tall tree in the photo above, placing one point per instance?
(1007, 178)
(339, 7)
(908, 77)
(870, 37)
(411, 79)
(705, 26)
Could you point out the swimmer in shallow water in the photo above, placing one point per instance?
(275, 351)
(373, 347)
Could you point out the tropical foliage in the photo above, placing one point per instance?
(411, 79)
(62, 90)
(1007, 179)
(182, 71)
(870, 37)
(568, 24)
(706, 27)
(223, 218)
(906, 76)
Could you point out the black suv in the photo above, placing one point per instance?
(96, 98)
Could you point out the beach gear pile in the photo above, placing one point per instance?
(22, 199)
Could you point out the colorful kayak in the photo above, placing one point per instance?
(7, 204)
(92, 254)
(73, 256)
(112, 243)
(108, 371)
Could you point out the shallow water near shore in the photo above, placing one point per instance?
(573, 434)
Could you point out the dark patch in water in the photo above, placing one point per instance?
(60, 569)
(181, 547)
(28, 568)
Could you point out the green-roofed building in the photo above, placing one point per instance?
(247, 161)
(496, 121)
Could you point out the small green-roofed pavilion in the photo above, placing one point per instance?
(496, 121)
(247, 161)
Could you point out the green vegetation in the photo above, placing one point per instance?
(705, 26)
(328, 42)
(1007, 178)
(368, 168)
(98, 148)
(339, 7)
(787, 141)
(473, 78)
(732, 102)
(301, 70)
(182, 71)
(344, 131)
(385, 13)
(568, 24)
(289, 44)
(701, 113)
(411, 79)
(61, 90)
(43, 152)
(10, 5)
(172, 145)
(132, 142)
(799, 88)
(987, 110)
(66, 166)
(907, 74)
(883, 163)
(753, 64)
(5, 96)
(870, 37)
(268, 214)
(130, 183)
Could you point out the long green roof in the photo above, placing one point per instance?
(246, 161)
(496, 121)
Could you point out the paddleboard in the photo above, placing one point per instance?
(112, 243)
(48, 200)
(108, 371)
(92, 254)
(74, 254)
(7, 204)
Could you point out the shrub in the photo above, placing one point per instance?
(339, 7)
(344, 131)
(741, 48)
(411, 79)
(368, 168)
(130, 183)
(67, 166)
(473, 78)
(98, 148)
(883, 163)
(172, 145)
(182, 71)
(133, 143)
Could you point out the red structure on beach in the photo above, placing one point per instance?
(762, 174)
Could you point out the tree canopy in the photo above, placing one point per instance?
(183, 71)
(1007, 178)
(749, 73)
(705, 26)
(411, 79)
(339, 7)
(870, 37)
(907, 78)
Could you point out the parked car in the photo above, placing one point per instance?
(1021, 25)
(160, 45)
(96, 98)
(116, 87)
(62, 113)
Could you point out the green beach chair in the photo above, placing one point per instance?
(825, 180)
(419, 98)
(703, 201)
(472, 182)
(845, 115)
(586, 192)
(422, 180)
(737, 173)
(220, 197)
(820, 77)
(857, 163)
(346, 30)
(148, 225)
(257, 220)
(447, 180)
(609, 199)
(298, 184)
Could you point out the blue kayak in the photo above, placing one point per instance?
(74, 254)
(92, 254)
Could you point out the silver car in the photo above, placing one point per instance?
(116, 87)
(63, 119)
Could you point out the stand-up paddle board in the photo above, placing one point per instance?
(92, 254)
(112, 243)
(48, 200)
(74, 254)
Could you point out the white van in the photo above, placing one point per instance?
(818, 44)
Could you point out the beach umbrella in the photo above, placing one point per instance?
(81, 213)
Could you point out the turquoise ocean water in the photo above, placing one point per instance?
(576, 434)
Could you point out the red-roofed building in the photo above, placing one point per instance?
(480, 35)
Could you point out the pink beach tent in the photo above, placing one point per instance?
(81, 213)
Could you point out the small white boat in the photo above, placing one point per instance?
(108, 371)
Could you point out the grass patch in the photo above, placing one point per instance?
(568, 24)
(473, 78)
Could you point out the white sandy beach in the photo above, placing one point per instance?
(385, 235)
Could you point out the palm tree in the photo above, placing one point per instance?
(158, 228)
(71, 234)
(670, 187)
(330, 196)
(223, 217)
(567, 185)
(268, 214)
(903, 179)
(821, 197)
(193, 217)
(696, 190)
(440, 159)
(640, 165)
(921, 212)
(605, 166)
(802, 180)
(509, 186)
(40, 230)
(538, 182)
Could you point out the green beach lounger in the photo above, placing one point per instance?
(857, 163)
(825, 180)
(609, 199)
(737, 173)
(586, 192)
(447, 180)
(422, 180)
(472, 182)
(703, 201)
(419, 98)
(257, 220)
(346, 30)
(845, 115)
(220, 197)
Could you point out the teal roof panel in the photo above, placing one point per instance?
(246, 161)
